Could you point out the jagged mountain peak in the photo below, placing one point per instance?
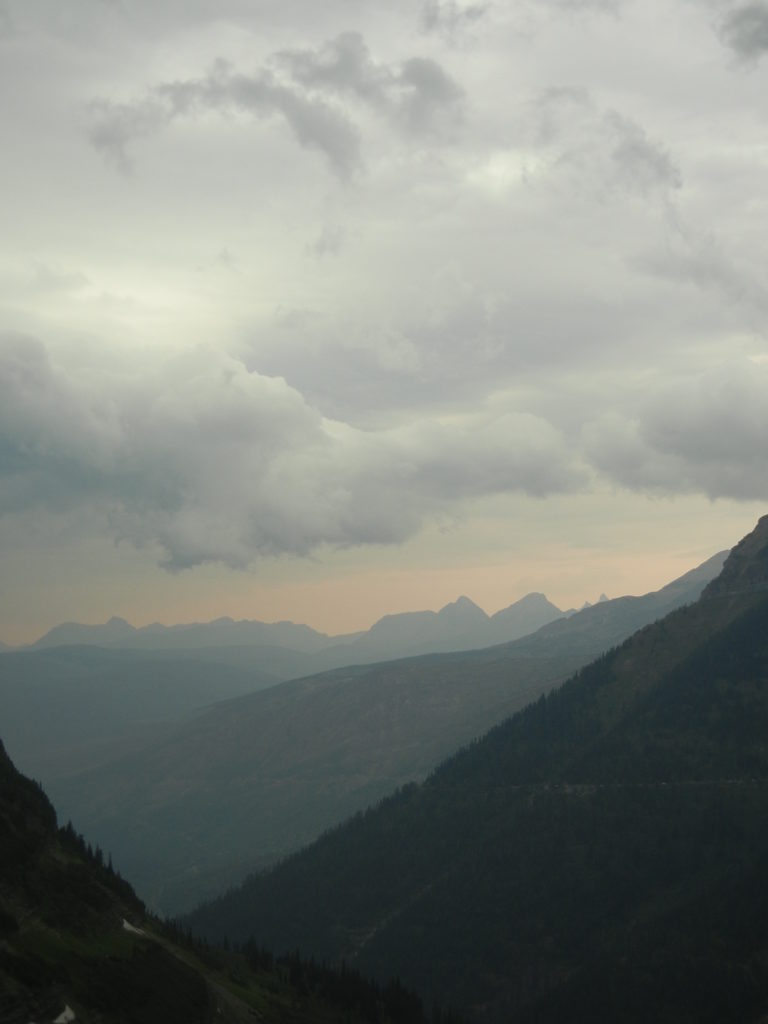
(463, 607)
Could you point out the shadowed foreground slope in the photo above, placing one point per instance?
(600, 856)
(76, 945)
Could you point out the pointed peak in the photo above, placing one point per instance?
(534, 599)
(462, 607)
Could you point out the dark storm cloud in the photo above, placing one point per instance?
(745, 30)
(216, 463)
(417, 93)
(314, 124)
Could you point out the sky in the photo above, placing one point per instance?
(324, 311)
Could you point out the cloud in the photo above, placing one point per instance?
(602, 153)
(417, 94)
(314, 124)
(429, 98)
(215, 463)
(638, 164)
(700, 260)
(7, 28)
(115, 125)
(450, 18)
(329, 242)
(705, 434)
(210, 462)
(745, 30)
(50, 279)
(342, 65)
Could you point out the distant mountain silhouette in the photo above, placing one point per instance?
(219, 633)
(461, 625)
(286, 650)
(599, 856)
(248, 781)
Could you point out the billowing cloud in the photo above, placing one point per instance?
(745, 30)
(216, 463)
(213, 462)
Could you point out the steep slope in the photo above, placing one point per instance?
(64, 951)
(599, 856)
(253, 779)
(76, 945)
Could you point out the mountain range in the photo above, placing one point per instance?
(286, 649)
(600, 855)
(210, 796)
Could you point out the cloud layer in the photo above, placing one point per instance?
(366, 267)
(215, 463)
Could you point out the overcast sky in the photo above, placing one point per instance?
(324, 310)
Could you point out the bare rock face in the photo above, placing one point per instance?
(746, 568)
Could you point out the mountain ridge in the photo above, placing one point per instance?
(614, 829)
(274, 769)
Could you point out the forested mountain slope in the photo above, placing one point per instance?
(76, 946)
(600, 856)
(252, 779)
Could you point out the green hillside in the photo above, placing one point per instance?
(600, 856)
